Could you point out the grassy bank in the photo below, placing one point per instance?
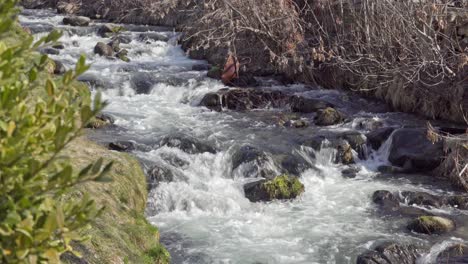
(121, 234)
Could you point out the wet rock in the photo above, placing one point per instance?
(201, 67)
(153, 36)
(100, 121)
(158, 174)
(458, 201)
(247, 99)
(456, 254)
(212, 101)
(103, 49)
(59, 68)
(281, 187)
(315, 142)
(123, 55)
(215, 72)
(64, 7)
(307, 105)
(296, 123)
(411, 149)
(422, 199)
(358, 142)
(186, 144)
(390, 169)
(377, 137)
(115, 44)
(344, 153)
(386, 200)
(245, 80)
(105, 31)
(175, 161)
(122, 146)
(328, 117)
(58, 46)
(294, 165)
(256, 159)
(390, 253)
(350, 172)
(432, 225)
(122, 39)
(50, 51)
(143, 82)
(77, 21)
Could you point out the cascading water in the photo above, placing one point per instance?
(202, 213)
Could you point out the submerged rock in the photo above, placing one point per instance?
(386, 200)
(328, 117)
(307, 105)
(103, 49)
(257, 160)
(422, 199)
(390, 253)
(377, 137)
(153, 36)
(212, 101)
(158, 174)
(215, 72)
(122, 146)
(281, 187)
(411, 149)
(105, 30)
(456, 254)
(77, 21)
(201, 67)
(186, 144)
(431, 225)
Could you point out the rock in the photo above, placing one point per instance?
(350, 172)
(248, 99)
(143, 82)
(64, 7)
(432, 225)
(115, 44)
(215, 73)
(307, 105)
(153, 36)
(244, 80)
(59, 68)
(105, 31)
(256, 159)
(422, 199)
(281, 187)
(390, 253)
(58, 46)
(122, 39)
(458, 201)
(157, 175)
(212, 101)
(186, 144)
(50, 51)
(456, 254)
(411, 149)
(296, 123)
(390, 169)
(103, 49)
(77, 21)
(386, 200)
(201, 67)
(377, 137)
(122, 146)
(315, 142)
(358, 142)
(122, 55)
(328, 117)
(294, 165)
(100, 121)
(344, 153)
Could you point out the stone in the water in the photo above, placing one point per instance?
(100, 121)
(122, 39)
(103, 49)
(377, 137)
(458, 201)
(422, 199)
(390, 253)
(307, 105)
(456, 254)
(105, 30)
(59, 67)
(64, 7)
(77, 21)
(201, 67)
(281, 187)
(212, 101)
(115, 44)
(158, 174)
(328, 117)
(215, 72)
(411, 149)
(245, 80)
(386, 200)
(344, 153)
(390, 169)
(123, 55)
(358, 142)
(187, 144)
(256, 159)
(58, 46)
(432, 225)
(315, 142)
(49, 51)
(294, 165)
(350, 172)
(153, 36)
(122, 146)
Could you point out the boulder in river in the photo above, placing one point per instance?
(281, 187)
(122, 146)
(215, 72)
(256, 162)
(58, 46)
(155, 36)
(377, 137)
(307, 105)
(123, 55)
(187, 144)
(105, 30)
(49, 51)
(411, 149)
(103, 49)
(455, 254)
(100, 121)
(386, 200)
(390, 253)
(59, 68)
(431, 225)
(358, 142)
(158, 174)
(328, 117)
(244, 80)
(344, 153)
(201, 67)
(212, 101)
(77, 21)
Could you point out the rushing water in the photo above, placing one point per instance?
(203, 214)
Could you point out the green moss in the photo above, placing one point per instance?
(121, 233)
(432, 225)
(97, 123)
(283, 187)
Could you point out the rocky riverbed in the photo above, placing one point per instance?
(268, 173)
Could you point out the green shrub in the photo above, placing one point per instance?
(39, 116)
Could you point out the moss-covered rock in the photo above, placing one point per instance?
(454, 254)
(121, 234)
(281, 187)
(432, 225)
(328, 117)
